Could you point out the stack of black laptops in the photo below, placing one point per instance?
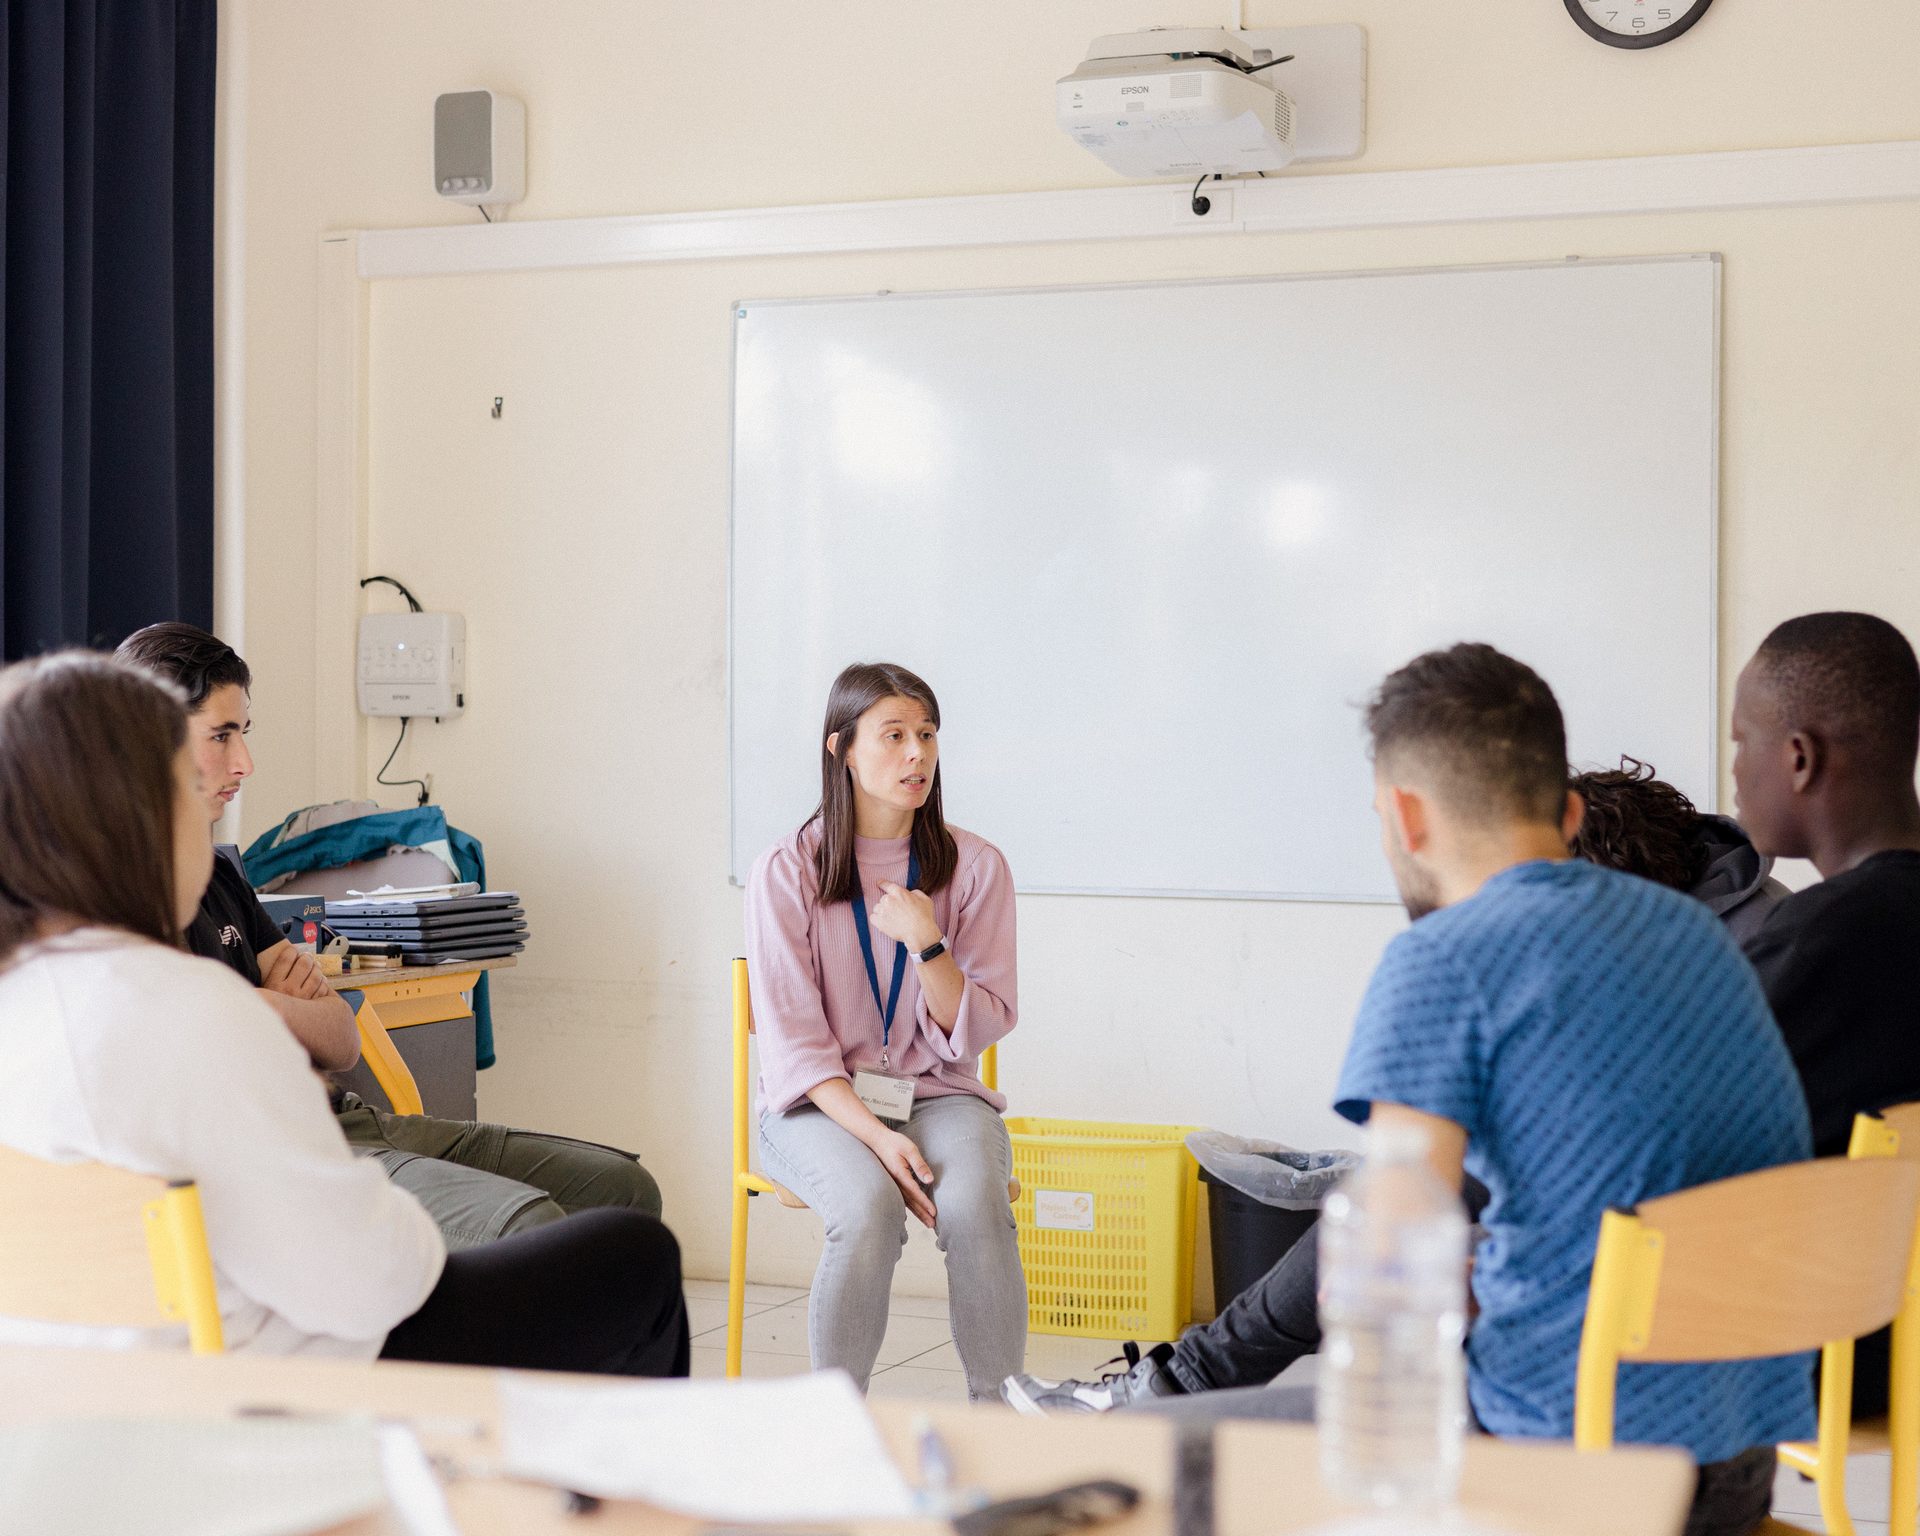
(432, 928)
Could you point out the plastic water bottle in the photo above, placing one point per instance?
(1392, 1385)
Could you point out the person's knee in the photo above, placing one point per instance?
(629, 1186)
(631, 1242)
(535, 1213)
(867, 1211)
(972, 1207)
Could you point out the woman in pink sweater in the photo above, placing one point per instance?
(880, 943)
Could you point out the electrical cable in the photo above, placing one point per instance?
(381, 776)
(1201, 206)
(483, 212)
(1231, 62)
(413, 603)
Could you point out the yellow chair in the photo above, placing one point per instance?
(747, 1183)
(383, 1059)
(1891, 1133)
(79, 1235)
(1790, 1259)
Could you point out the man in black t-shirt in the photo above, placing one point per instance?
(478, 1181)
(1826, 723)
(232, 927)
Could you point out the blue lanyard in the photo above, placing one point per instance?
(899, 954)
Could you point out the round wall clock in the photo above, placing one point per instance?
(1636, 23)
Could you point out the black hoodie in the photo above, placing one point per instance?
(1738, 886)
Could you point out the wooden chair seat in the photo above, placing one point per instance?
(1870, 1436)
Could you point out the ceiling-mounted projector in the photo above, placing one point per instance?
(1196, 101)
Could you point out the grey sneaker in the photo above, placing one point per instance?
(1142, 1377)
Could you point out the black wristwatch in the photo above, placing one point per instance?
(932, 952)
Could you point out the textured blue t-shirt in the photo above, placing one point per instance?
(1602, 1042)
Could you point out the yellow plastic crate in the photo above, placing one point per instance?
(1106, 1216)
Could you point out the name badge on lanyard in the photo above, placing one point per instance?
(885, 1093)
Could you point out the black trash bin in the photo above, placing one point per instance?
(1249, 1237)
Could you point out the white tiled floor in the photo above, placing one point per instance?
(1797, 1505)
(919, 1360)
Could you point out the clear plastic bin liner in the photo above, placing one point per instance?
(1270, 1171)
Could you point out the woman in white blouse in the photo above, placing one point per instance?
(118, 1047)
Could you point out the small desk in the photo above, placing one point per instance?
(405, 996)
(1268, 1483)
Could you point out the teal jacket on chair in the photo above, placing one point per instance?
(276, 853)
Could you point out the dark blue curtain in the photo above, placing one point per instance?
(106, 299)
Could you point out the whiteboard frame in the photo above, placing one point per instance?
(738, 311)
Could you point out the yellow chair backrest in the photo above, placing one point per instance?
(93, 1246)
(1771, 1263)
(1893, 1132)
(383, 1059)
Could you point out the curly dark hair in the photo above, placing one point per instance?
(1639, 823)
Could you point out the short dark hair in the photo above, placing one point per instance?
(1852, 677)
(1485, 726)
(1641, 824)
(86, 796)
(188, 657)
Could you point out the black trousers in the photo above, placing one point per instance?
(599, 1292)
(1273, 1322)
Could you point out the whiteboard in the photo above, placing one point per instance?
(1153, 546)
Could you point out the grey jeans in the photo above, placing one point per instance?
(480, 1181)
(965, 1143)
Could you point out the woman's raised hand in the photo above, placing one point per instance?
(905, 916)
(906, 1167)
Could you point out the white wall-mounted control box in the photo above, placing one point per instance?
(413, 664)
(479, 147)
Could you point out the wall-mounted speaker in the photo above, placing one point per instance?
(479, 147)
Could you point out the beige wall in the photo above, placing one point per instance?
(584, 534)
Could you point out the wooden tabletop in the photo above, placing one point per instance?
(1268, 1482)
(357, 981)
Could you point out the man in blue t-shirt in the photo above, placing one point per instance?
(1572, 1037)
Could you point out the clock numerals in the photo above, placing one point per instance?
(1635, 23)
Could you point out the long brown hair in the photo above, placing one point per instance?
(854, 692)
(86, 796)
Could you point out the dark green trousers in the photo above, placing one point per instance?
(482, 1181)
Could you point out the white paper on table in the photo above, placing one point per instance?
(799, 1449)
(188, 1477)
(412, 1489)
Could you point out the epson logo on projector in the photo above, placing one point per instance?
(1134, 90)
